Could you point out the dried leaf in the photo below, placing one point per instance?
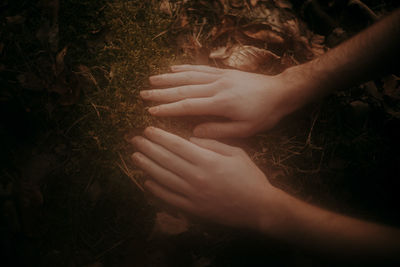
(373, 90)
(265, 35)
(236, 3)
(283, 4)
(165, 7)
(249, 58)
(60, 61)
(94, 191)
(18, 19)
(253, 2)
(220, 53)
(30, 81)
(391, 86)
(169, 225)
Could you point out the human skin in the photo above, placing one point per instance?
(220, 183)
(255, 102)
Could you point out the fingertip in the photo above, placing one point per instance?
(177, 67)
(136, 157)
(144, 94)
(194, 139)
(149, 131)
(153, 110)
(154, 80)
(200, 132)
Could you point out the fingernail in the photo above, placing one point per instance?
(199, 132)
(135, 157)
(153, 110)
(149, 129)
(155, 78)
(135, 140)
(145, 94)
(193, 139)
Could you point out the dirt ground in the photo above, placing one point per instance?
(70, 73)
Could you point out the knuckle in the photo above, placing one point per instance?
(211, 162)
(223, 82)
(181, 91)
(186, 105)
(188, 76)
(238, 151)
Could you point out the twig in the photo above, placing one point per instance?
(364, 7)
(97, 111)
(160, 34)
(125, 169)
(75, 123)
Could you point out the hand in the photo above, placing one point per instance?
(206, 178)
(252, 102)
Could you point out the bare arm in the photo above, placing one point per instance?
(220, 183)
(331, 234)
(254, 102)
(371, 53)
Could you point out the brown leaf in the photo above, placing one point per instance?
(283, 4)
(60, 61)
(253, 2)
(169, 225)
(391, 86)
(30, 81)
(166, 7)
(265, 35)
(220, 53)
(248, 58)
(18, 19)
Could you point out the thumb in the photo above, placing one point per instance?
(222, 129)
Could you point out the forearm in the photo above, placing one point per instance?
(371, 53)
(330, 233)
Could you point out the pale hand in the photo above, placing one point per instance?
(206, 178)
(252, 102)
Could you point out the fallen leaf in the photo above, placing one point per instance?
(165, 7)
(265, 35)
(94, 191)
(18, 19)
(169, 225)
(253, 2)
(283, 4)
(30, 81)
(60, 61)
(248, 58)
(220, 52)
(236, 3)
(373, 90)
(391, 86)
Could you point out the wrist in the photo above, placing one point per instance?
(275, 217)
(301, 85)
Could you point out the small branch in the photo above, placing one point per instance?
(364, 7)
(126, 170)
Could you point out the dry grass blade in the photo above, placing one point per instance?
(128, 173)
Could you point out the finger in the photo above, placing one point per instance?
(178, 145)
(179, 93)
(215, 146)
(222, 129)
(192, 106)
(164, 157)
(168, 196)
(200, 68)
(161, 175)
(183, 78)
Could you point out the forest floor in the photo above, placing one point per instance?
(70, 73)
